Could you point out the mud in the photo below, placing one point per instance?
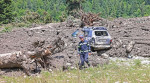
(122, 31)
(133, 29)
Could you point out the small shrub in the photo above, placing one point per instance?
(47, 19)
(137, 63)
(21, 24)
(30, 17)
(7, 29)
(63, 17)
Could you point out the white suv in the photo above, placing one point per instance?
(98, 37)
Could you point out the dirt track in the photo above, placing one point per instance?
(124, 30)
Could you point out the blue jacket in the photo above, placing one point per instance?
(84, 47)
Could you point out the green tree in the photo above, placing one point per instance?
(58, 10)
(6, 14)
(74, 6)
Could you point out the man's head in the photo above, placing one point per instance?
(81, 37)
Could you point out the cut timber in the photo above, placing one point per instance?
(10, 60)
(146, 43)
(15, 59)
(8, 54)
(21, 60)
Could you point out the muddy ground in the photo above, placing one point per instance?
(122, 30)
(133, 29)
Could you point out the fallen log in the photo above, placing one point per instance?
(146, 43)
(10, 60)
(15, 59)
(20, 60)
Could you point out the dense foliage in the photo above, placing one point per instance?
(6, 14)
(57, 10)
(73, 6)
(118, 8)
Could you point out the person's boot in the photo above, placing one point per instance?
(89, 65)
(129, 56)
(80, 67)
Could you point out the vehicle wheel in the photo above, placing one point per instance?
(100, 52)
(92, 49)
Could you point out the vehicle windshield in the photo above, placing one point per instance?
(101, 33)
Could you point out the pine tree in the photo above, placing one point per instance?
(6, 14)
(74, 6)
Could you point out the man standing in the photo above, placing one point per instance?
(84, 50)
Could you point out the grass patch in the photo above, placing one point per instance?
(110, 73)
(7, 29)
(11, 26)
(137, 63)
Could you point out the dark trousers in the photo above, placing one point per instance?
(84, 58)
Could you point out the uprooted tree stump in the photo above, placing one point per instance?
(25, 60)
(88, 19)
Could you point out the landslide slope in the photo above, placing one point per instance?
(122, 30)
(132, 29)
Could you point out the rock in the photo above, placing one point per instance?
(73, 67)
(145, 62)
(68, 64)
(116, 43)
(50, 70)
(72, 22)
(130, 46)
(97, 60)
(77, 22)
(105, 56)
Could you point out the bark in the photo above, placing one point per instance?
(10, 60)
(15, 59)
(146, 43)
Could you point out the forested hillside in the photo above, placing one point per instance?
(57, 10)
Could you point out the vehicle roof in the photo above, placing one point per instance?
(99, 28)
(95, 28)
